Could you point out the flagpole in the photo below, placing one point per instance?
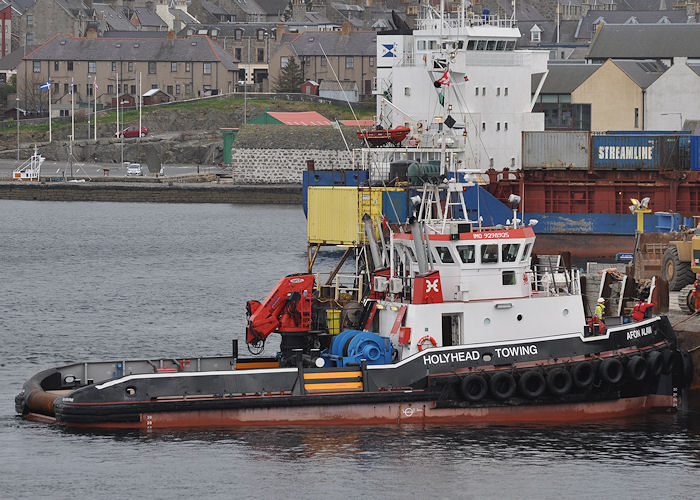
(50, 111)
(94, 90)
(72, 112)
(117, 104)
(140, 94)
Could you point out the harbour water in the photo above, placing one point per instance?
(88, 281)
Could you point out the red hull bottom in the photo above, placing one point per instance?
(393, 413)
(584, 246)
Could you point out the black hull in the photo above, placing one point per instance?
(567, 376)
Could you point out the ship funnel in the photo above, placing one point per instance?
(419, 245)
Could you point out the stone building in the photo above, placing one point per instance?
(350, 54)
(181, 67)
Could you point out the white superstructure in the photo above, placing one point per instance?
(489, 91)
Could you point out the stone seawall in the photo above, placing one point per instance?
(283, 166)
(156, 193)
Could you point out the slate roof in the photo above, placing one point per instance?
(11, 60)
(135, 34)
(548, 35)
(250, 7)
(22, 5)
(76, 8)
(643, 73)
(652, 41)
(114, 20)
(148, 17)
(334, 43)
(644, 4)
(524, 11)
(565, 78)
(214, 9)
(184, 16)
(228, 29)
(196, 49)
(593, 17)
(273, 7)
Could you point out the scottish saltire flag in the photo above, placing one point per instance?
(95, 84)
(46, 86)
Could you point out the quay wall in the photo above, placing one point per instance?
(156, 193)
(282, 166)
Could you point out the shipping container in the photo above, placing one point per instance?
(632, 152)
(556, 150)
(695, 152)
(647, 132)
(337, 177)
(335, 213)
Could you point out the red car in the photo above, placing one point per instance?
(132, 132)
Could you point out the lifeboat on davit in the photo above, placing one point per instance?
(380, 137)
(453, 323)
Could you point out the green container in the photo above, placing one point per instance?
(229, 135)
(418, 173)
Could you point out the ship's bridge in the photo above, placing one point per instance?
(477, 265)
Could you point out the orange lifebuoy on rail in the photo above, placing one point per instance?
(425, 339)
(413, 141)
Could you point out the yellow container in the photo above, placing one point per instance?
(335, 213)
(333, 321)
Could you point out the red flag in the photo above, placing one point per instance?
(445, 78)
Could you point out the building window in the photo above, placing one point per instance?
(65, 88)
(188, 88)
(88, 89)
(636, 117)
(371, 61)
(37, 66)
(261, 35)
(535, 35)
(173, 67)
(188, 67)
(55, 88)
(476, 91)
(55, 65)
(154, 86)
(177, 89)
(69, 65)
(349, 62)
(30, 20)
(170, 89)
(110, 89)
(261, 55)
(151, 68)
(114, 65)
(92, 67)
(133, 89)
(131, 66)
(483, 91)
(30, 38)
(284, 60)
(407, 91)
(324, 62)
(239, 34)
(498, 90)
(238, 54)
(420, 45)
(505, 91)
(207, 68)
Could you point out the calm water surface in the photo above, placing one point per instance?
(100, 280)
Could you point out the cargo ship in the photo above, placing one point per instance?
(444, 320)
(460, 85)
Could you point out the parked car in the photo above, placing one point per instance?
(134, 169)
(132, 132)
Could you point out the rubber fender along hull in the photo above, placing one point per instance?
(418, 412)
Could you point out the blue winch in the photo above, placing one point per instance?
(350, 347)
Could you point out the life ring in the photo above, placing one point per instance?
(474, 387)
(559, 381)
(425, 339)
(637, 368)
(531, 384)
(413, 141)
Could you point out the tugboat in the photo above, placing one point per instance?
(448, 322)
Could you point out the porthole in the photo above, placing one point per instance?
(519, 317)
(565, 312)
(69, 379)
(487, 321)
(131, 390)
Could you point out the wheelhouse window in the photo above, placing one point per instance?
(467, 253)
(489, 254)
(526, 252)
(444, 255)
(509, 252)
